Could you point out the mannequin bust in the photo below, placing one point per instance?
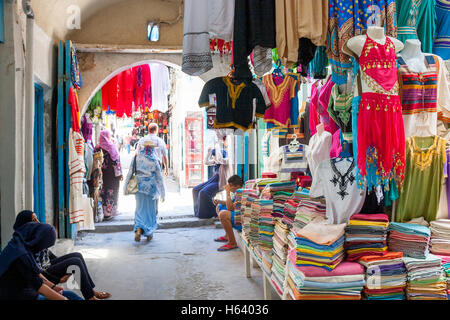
(413, 56)
(356, 44)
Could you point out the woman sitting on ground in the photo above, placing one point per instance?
(20, 275)
(55, 268)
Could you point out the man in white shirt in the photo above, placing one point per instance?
(161, 150)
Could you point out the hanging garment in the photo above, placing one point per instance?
(237, 104)
(425, 96)
(339, 109)
(75, 110)
(254, 24)
(305, 134)
(416, 20)
(75, 73)
(306, 52)
(294, 159)
(160, 87)
(126, 83)
(262, 60)
(381, 134)
(95, 182)
(197, 57)
(221, 19)
(110, 94)
(318, 151)
(441, 45)
(337, 182)
(322, 107)
(425, 159)
(263, 90)
(318, 66)
(76, 172)
(143, 86)
(295, 19)
(349, 19)
(280, 95)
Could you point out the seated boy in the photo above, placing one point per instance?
(225, 212)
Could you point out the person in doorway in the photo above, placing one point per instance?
(54, 269)
(204, 193)
(225, 211)
(150, 189)
(112, 174)
(161, 151)
(20, 275)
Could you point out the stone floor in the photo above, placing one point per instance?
(176, 264)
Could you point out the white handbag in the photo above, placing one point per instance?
(132, 186)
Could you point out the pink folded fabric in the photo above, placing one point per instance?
(445, 259)
(344, 268)
(407, 237)
(324, 234)
(380, 217)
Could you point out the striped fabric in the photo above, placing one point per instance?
(419, 91)
(441, 45)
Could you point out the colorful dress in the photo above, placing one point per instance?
(350, 18)
(425, 96)
(339, 109)
(441, 45)
(416, 20)
(111, 172)
(381, 134)
(280, 95)
(424, 176)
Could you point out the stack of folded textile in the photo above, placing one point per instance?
(440, 237)
(307, 211)
(262, 183)
(287, 186)
(366, 235)
(345, 282)
(279, 200)
(445, 262)
(385, 276)
(300, 195)
(266, 224)
(254, 222)
(289, 212)
(411, 239)
(250, 184)
(266, 258)
(248, 197)
(278, 273)
(426, 279)
(320, 245)
(279, 252)
(292, 243)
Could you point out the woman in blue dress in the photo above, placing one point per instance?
(150, 189)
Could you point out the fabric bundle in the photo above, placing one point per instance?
(289, 212)
(426, 278)
(345, 282)
(266, 257)
(262, 183)
(366, 235)
(288, 186)
(299, 195)
(307, 211)
(445, 263)
(385, 276)
(266, 224)
(278, 273)
(279, 253)
(254, 222)
(440, 236)
(279, 200)
(411, 239)
(248, 197)
(320, 245)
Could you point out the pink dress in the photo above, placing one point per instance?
(280, 96)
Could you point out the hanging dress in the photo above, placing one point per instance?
(416, 20)
(441, 45)
(280, 95)
(381, 133)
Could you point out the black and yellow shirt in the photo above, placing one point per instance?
(236, 102)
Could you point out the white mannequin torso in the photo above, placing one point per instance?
(413, 56)
(356, 45)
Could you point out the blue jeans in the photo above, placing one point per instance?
(68, 294)
(203, 195)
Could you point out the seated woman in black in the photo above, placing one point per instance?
(55, 268)
(20, 275)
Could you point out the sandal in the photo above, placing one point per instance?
(102, 295)
(227, 247)
(221, 239)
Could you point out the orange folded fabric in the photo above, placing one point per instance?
(388, 256)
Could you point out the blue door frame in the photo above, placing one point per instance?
(2, 22)
(39, 167)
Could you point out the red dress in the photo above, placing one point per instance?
(381, 134)
(109, 94)
(126, 83)
(143, 86)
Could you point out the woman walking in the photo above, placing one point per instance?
(112, 174)
(150, 188)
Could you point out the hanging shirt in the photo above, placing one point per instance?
(160, 87)
(425, 96)
(337, 182)
(280, 95)
(424, 174)
(441, 45)
(416, 20)
(237, 104)
(221, 19)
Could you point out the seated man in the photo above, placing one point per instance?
(225, 212)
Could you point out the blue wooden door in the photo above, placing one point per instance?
(61, 144)
(39, 180)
